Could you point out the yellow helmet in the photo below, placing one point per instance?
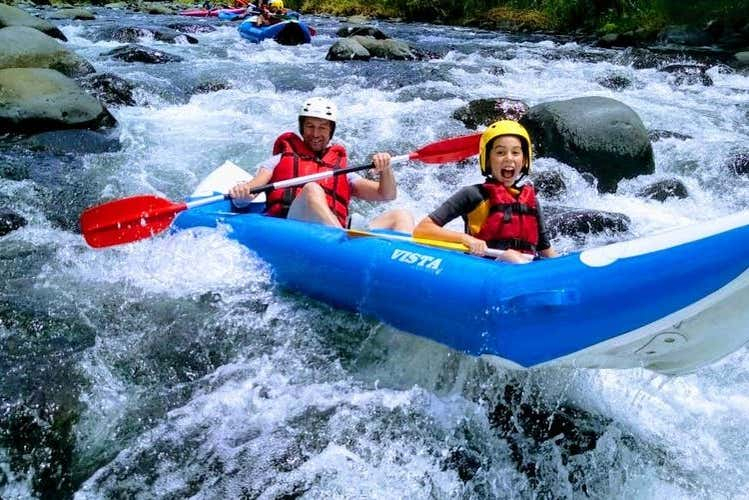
(504, 127)
(278, 4)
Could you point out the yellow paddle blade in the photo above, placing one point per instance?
(409, 239)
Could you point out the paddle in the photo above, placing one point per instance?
(447, 245)
(138, 217)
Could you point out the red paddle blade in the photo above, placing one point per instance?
(128, 219)
(312, 31)
(455, 149)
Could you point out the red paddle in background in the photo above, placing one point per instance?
(139, 217)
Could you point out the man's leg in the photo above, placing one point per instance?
(312, 206)
(397, 220)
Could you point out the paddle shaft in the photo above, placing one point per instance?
(297, 181)
(447, 245)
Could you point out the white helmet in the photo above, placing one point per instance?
(319, 107)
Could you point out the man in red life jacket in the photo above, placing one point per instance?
(325, 201)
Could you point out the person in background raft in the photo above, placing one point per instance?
(501, 213)
(325, 201)
(271, 13)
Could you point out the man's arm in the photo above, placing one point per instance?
(242, 190)
(382, 190)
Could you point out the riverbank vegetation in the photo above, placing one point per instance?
(554, 15)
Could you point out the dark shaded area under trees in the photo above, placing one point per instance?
(556, 15)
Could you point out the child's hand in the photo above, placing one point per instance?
(515, 257)
(475, 245)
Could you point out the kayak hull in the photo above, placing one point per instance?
(671, 303)
(291, 32)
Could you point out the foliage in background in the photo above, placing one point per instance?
(563, 15)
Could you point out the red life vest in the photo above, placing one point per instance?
(512, 221)
(297, 160)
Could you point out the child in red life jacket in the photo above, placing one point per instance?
(498, 213)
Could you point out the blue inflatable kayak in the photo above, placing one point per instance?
(671, 302)
(289, 32)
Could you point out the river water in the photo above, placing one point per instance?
(175, 368)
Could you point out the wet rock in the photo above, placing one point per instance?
(738, 162)
(40, 442)
(133, 34)
(598, 135)
(549, 184)
(615, 81)
(579, 223)
(348, 31)
(688, 74)
(75, 141)
(139, 53)
(356, 19)
(664, 189)
(37, 100)
(486, 111)
(730, 35)
(192, 27)
(109, 88)
(212, 86)
(741, 58)
(75, 14)
(589, 178)
(24, 47)
(638, 58)
(465, 462)
(529, 427)
(363, 48)
(12, 16)
(657, 135)
(390, 49)
(347, 50)
(684, 35)
(10, 221)
(680, 53)
(40, 388)
(609, 40)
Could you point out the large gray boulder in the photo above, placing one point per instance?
(598, 135)
(133, 34)
(487, 111)
(24, 47)
(12, 16)
(389, 48)
(37, 100)
(348, 31)
(578, 223)
(138, 53)
(364, 47)
(347, 49)
(109, 88)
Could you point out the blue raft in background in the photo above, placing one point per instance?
(288, 32)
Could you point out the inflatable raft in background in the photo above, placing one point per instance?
(671, 302)
(288, 32)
